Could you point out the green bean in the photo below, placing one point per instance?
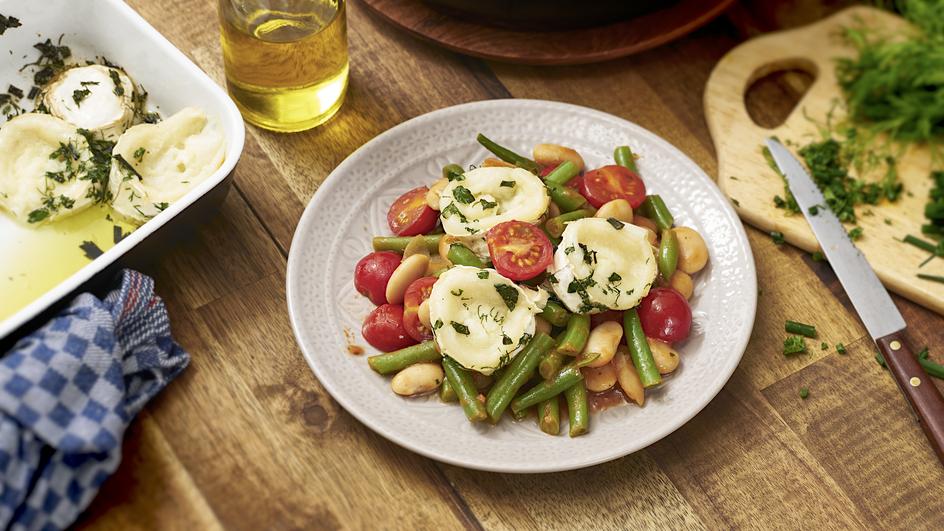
(555, 314)
(624, 157)
(508, 155)
(520, 415)
(461, 255)
(563, 173)
(654, 208)
(399, 243)
(567, 199)
(446, 392)
(668, 254)
(550, 364)
(934, 369)
(461, 382)
(452, 172)
(639, 349)
(575, 337)
(403, 358)
(565, 378)
(549, 416)
(794, 327)
(578, 408)
(555, 226)
(517, 374)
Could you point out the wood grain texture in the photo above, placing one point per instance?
(745, 176)
(560, 47)
(247, 438)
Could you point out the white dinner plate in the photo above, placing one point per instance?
(351, 206)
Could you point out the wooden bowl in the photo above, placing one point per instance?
(538, 15)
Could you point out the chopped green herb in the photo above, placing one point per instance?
(777, 237)
(840, 348)
(452, 210)
(438, 324)
(794, 327)
(37, 215)
(507, 184)
(463, 195)
(735, 202)
(486, 204)
(460, 328)
(932, 278)
(509, 294)
(814, 210)
(617, 224)
(8, 23)
(483, 274)
(138, 154)
(506, 340)
(824, 346)
(855, 233)
(804, 393)
(128, 167)
(818, 256)
(551, 278)
(615, 277)
(456, 292)
(119, 89)
(793, 345)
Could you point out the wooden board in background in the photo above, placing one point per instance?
(745, 176)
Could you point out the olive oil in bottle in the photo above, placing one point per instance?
(286, 60)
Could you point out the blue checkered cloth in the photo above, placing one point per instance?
(67, 393)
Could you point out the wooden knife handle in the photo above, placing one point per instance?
(925, 399)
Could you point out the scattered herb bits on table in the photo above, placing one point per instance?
(528, 283)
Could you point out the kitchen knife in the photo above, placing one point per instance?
(870, 299)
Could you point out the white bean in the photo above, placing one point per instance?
(417, 379)
(553, 155)
(422, 313)
(410, 269)
(603, 341)
(627, 377)
(492, 162)
(692, 251)
(618, 209)
(682, 283)
(599, 378)
(432, 196)
(666, 357)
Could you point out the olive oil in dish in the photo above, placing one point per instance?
(286, 62)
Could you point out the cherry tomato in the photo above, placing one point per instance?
(665, 315)
(372, 273)
(409, 215)
(383, 328)
(577, 184)
(613, 182)
(416, 293)
(547, 170)
(610, 315)
(519, 250)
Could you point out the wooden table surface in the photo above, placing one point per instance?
(247, 438)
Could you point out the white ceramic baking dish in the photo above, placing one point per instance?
(111, 29)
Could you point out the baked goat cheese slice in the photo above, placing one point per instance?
(482, 319)
(485, 197)
(157, 164)
(95, 97)
(44, 169)
(602, 264)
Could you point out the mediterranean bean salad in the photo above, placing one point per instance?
(531, 285)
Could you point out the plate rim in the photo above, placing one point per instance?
(354, 408)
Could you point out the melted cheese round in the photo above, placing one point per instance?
(89, 98)
(44, 166)
(170, 157)
(485, 197)
(482, 319)
(598, 266)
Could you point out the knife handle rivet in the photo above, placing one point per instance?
(915, 381)
(895, 345)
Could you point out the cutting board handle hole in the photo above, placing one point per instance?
(784, 83)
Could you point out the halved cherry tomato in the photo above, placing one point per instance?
(665, 315)
(613, 182)
(546, 170)
(372, 273)
(409, 215)
(383, 328)
(417, 292)
(610, 315)
(519, 250)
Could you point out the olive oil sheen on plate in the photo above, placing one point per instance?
(286, 61)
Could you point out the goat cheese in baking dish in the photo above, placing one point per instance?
(97, 98)
(482, 319)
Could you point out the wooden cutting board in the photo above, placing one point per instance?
(745, 176)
